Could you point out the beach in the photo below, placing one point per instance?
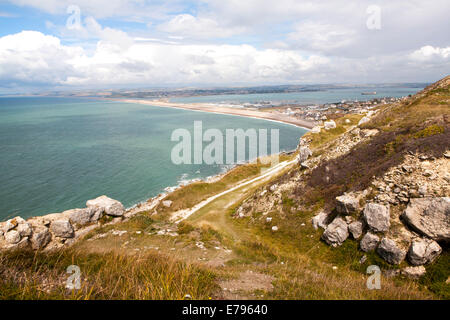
(212, 108)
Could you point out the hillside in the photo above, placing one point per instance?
(372, 191)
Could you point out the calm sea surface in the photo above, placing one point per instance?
(56, 153)
(316, 97)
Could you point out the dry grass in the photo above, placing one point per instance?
(112, 275)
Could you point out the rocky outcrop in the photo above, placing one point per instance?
(320, 220)
(303, 154)
(336, 232)
(390, 251)
(430, 217)
(107, 205)
(62, 229)
(81, 217)
(369, 242)
(329, 125)
(413, 272)
(356, 229)
(56, 229)
(423, 251)
(377, 217)
(347, 204)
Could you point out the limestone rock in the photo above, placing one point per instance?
(13, 223)
(355, 229)
(347, 204)
(369, 242)
(423, 251)
(110, 206)
(336, 232)
(414, 272)
(320, 220)
(390, 251)
(62, 229)
(430, 217)
(329, 125)
(41, 237)
(24, 229)
(316, 129)
(12, 237)
(81, 216)
(303, 154)
(363, 120)
(167, 203)
(377, 217)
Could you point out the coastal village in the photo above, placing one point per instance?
(318, 113)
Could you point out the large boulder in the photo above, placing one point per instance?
(347, 204)
(369, 242)
(13, 223)
(430, 217)
(303, 154)
(320, 220)
(41, 237)
(110, 206)
(24, 229)
(423, 251)
(363, 120)
(390, 251)
(414, 272)
(12, 237)
(329, 125)
(62, 228)
(377, 217)
(356, 229)
(336, 232)
(82, 216)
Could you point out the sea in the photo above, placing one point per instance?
(57, 153)
(306, 97)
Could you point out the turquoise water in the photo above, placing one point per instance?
(56, 153)
(316, 97)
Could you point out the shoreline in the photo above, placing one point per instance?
(211, 108)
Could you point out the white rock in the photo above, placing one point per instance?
(41, 237)
(110, 206)
(167, 203)
(320, 220)
(377, 217)
(274, 228)
(414, 272)
(62, 228)
(363, 120)
(423, 251)
(336, 232)
(316, 129)
(329, 125)
(390, 251)
(355, 229)
(347, 204)
(12, 237)
(24, 229)
(369, 242)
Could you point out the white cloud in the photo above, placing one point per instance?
(427, 53)
(186, 25)
(34, 57)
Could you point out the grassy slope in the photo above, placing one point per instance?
(302, 265)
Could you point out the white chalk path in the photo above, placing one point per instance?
(185, 213)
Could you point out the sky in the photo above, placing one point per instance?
(102, 44)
